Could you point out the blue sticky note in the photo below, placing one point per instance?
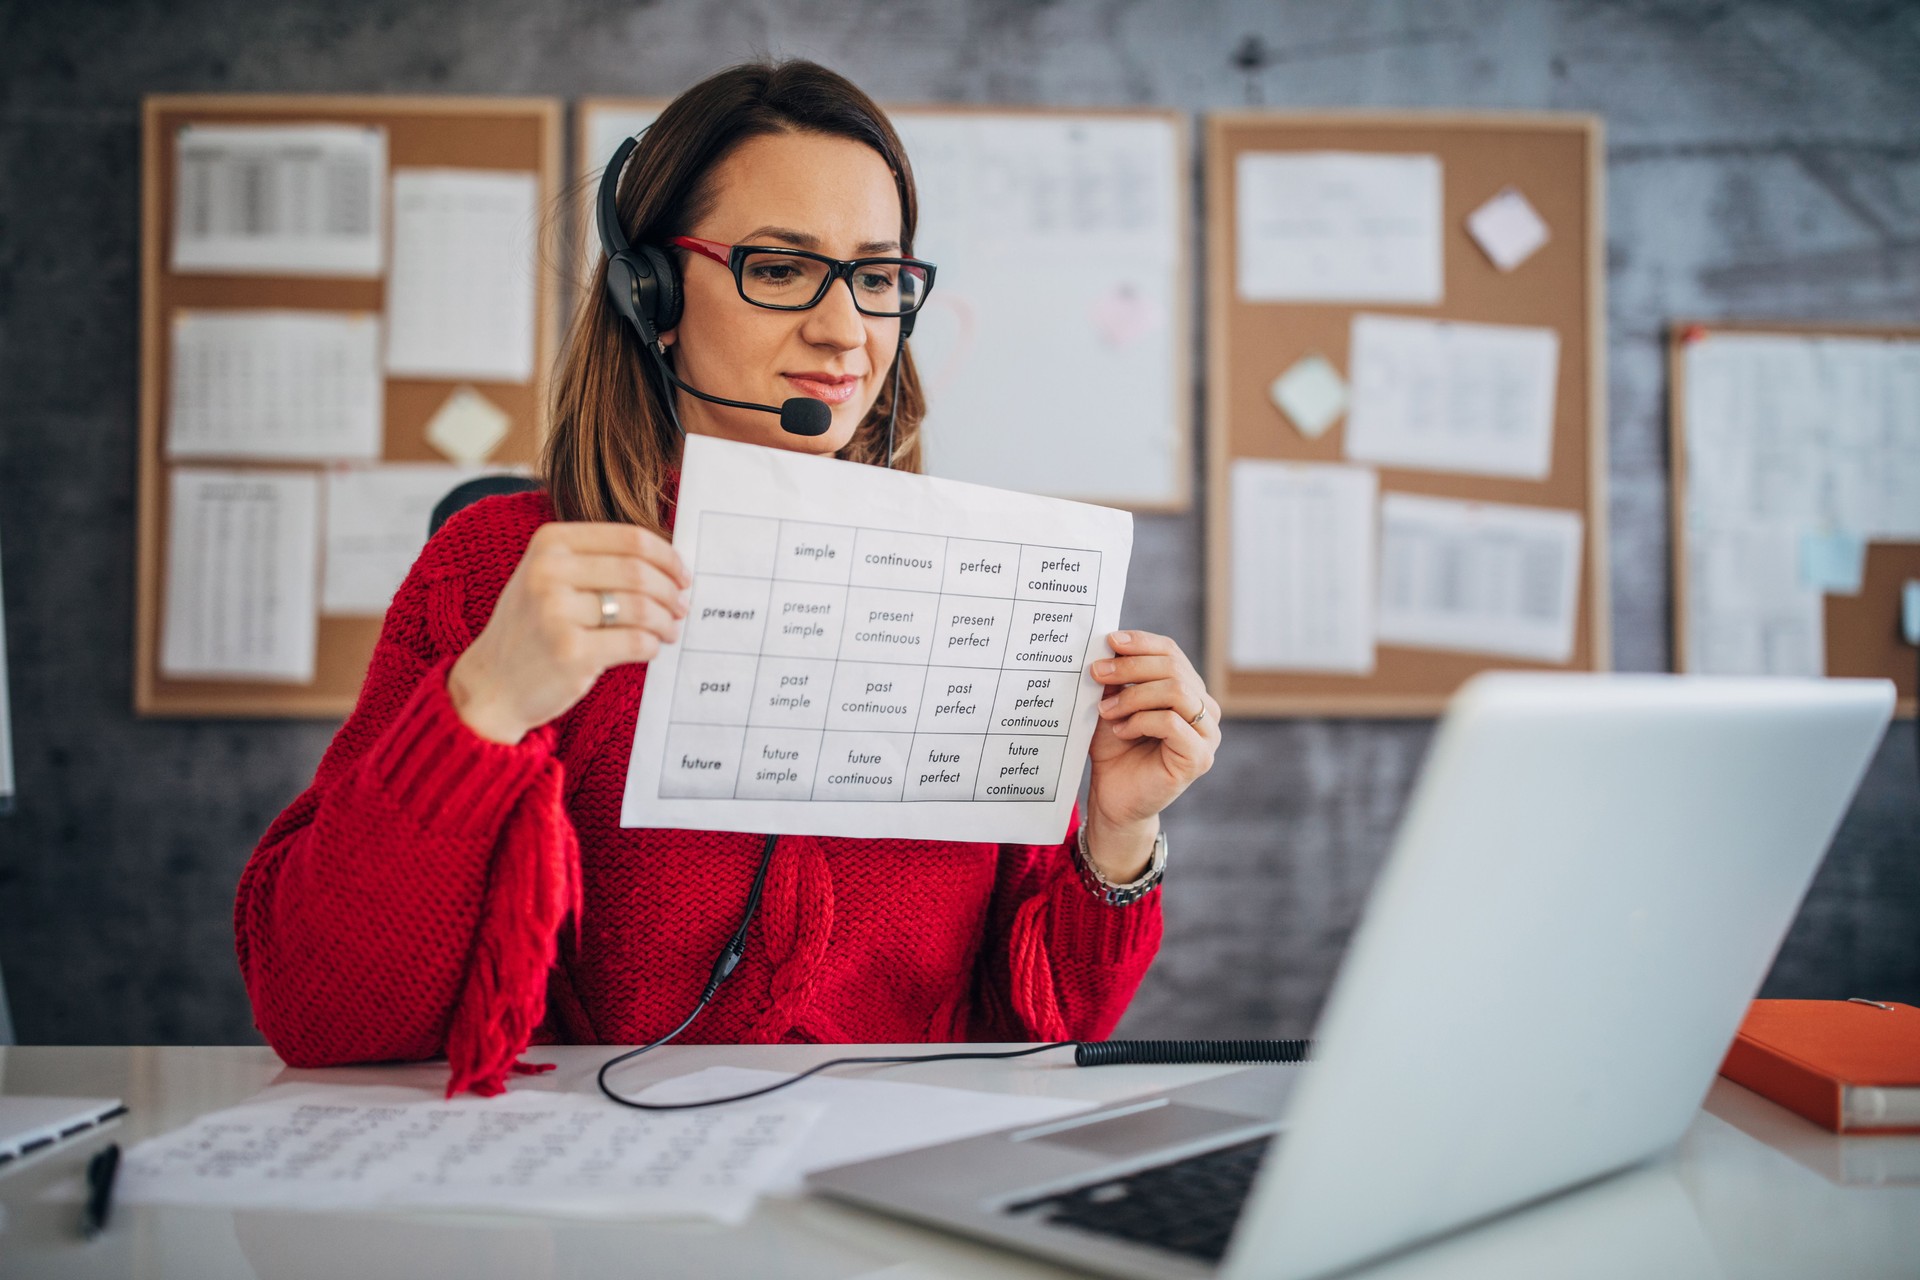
(1833, 562)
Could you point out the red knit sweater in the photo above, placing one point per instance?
(434, 892)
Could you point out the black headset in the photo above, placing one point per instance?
(643, 284)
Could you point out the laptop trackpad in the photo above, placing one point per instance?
(1148, 1130)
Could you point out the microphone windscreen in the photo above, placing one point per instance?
(805, 416)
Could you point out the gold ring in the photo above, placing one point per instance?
(1198, 717)
(609, 609)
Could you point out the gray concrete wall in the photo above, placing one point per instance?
(1764, 160)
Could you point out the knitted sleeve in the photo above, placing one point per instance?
(1058, 964)
(408, 902)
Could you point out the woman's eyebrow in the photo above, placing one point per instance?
(807, 240)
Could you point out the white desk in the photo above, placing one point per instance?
(1753, 1191)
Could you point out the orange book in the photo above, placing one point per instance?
(1852, 1066)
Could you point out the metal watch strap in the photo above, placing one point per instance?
(1121, 895)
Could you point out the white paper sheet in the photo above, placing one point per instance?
(871, 653)
(1302, 567)
(1795, 445)
(1753, 613)
(1481, 577)
(460, 300)
(243, 560)
(865, 1119)
(1050, 346)
(1446, 396)
(275, 384)
(532, 1152)
(280, 200)
(376, 523)
(1508, 229)
(1330, 226)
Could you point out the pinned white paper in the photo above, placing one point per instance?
(242, 559)
(460, 299)
(1480, 577)
(1338, 227)
(282, 200)
(468, 426)
(1302, 567)
(1449, 396)
(1508, 229)
(1312, 394)
(376, 522)
(275, 384)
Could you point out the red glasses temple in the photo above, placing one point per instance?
(720, 253)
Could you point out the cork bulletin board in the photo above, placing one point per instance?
(514, 134)
(1860, 623)
(1555, 160)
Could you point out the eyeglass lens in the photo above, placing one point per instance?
(786, 280)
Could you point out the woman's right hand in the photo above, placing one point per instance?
(545, 646)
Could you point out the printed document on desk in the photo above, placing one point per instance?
(871, 653)
(866, 1119)
(532, 1151)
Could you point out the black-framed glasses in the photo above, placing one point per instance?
(783, 279)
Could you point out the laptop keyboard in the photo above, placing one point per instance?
(1188, 1206)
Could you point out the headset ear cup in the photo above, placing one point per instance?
(906, 324)
(621, 293)
(666, 295)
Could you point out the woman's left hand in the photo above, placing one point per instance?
(1158, 731)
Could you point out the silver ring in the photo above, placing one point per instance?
(1201, 715)
(609, 609)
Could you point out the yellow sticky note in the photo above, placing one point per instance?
(468, 426)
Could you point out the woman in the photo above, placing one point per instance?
(456, 879)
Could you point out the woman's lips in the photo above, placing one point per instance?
(832, 390)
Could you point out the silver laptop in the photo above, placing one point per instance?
(1589, 884)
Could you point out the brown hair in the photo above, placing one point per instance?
(611, 445)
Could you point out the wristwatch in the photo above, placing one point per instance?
(1122, 895)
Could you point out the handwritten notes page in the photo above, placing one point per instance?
(460, 300)
(1448, 396)
(281, 200)
(1328, 226)
(533, 1152)
(1302, 567)
(1480, 577)
(243, 557)
(275, 384)
(871, 653)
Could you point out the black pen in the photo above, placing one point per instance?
(101, 1171)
